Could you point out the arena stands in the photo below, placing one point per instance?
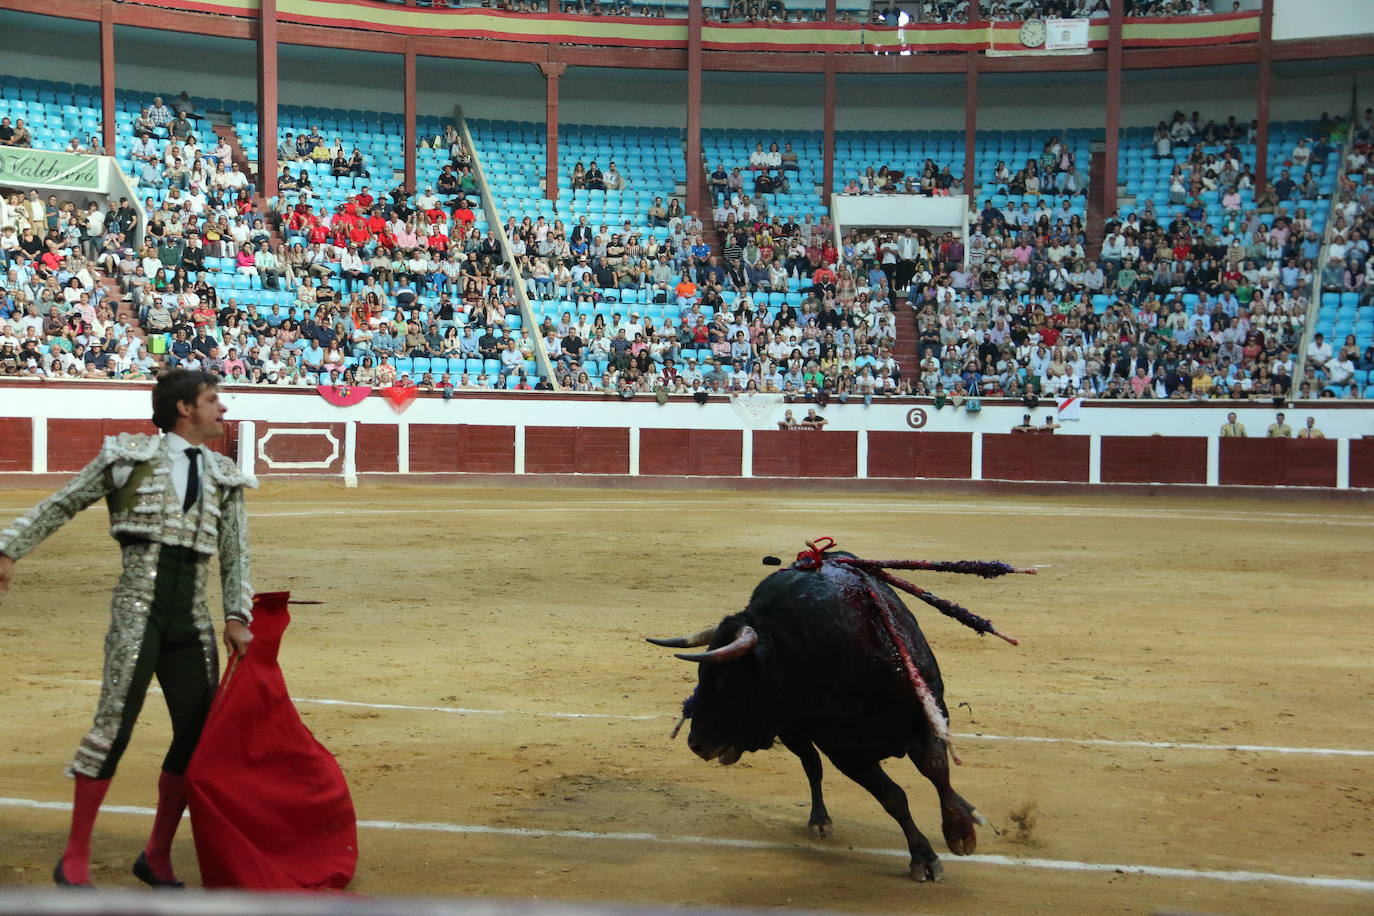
(935, 11)
(1199, 288)
(215, 284)
(1340, 356)
(714, 10)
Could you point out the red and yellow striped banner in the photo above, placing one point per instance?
(638, 32)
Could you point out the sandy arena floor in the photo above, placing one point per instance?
(1212, 623)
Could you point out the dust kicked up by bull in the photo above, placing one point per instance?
(827, 659)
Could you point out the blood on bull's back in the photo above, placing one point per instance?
(825, 649)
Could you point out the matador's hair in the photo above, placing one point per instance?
(176, 387)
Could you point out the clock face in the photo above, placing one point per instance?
(1033, 33)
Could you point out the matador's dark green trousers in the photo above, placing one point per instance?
(172, 650)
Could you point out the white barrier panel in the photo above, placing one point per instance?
(857, 211)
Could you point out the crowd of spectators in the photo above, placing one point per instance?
(56, 318)
(351, 295)
(767, 172)
(1055, 172)
(926, 11)
(1172, 306)
(18, 134)
(722, 11)
(171, 152)
(1347, 272)
(935, 180)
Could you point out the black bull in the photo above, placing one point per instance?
(809, 663)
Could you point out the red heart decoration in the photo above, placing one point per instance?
(400, 398)
(344, 395)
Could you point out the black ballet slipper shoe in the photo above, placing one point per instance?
(59, 877)
(144, 872)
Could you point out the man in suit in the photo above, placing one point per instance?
(581, 232)
(1232, 429)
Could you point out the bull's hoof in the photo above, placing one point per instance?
(962, 845)
(957, 826)
(822, 827)
(927, 871)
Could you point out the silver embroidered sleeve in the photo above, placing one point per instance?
(29, 530)
(234, 567)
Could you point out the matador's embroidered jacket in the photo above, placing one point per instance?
(133, 473)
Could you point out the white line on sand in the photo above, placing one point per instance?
(1154, 871)
(963, 736)
(813, 505)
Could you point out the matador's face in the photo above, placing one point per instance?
(207, 414)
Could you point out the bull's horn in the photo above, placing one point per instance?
(744, 641)
(686, 642)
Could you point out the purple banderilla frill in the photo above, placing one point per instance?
(813, 557)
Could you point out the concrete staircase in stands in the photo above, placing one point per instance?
(702, 207)
(904, 350)
(1097, 210)
(225, 131)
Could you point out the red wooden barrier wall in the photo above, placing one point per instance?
(805, 453)
(281, 445)
(1154, 459)
(1278, 462)
(576, 450)
(691, 452)
(73, 443)
(16, 444)
(445, 449)
(1035, 456)
(438, 448)
(920, 454)
(1362, 462)
(378, 448)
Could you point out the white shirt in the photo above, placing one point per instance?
(181, 468)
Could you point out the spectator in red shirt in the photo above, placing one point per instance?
(463, 215)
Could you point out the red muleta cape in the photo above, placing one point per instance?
(270, 808)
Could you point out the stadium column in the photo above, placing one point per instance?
(107, 76)
(692, 152)
(827, 132)
(552, 70)
(828, 123)
(828, 128)
(1113, 137)
(1264, 91)
(970, 105)
(410, 113)
(267, 99)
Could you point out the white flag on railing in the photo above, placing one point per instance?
(756, 409)
(1069, 407)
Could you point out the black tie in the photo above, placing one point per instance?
(192, 480)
